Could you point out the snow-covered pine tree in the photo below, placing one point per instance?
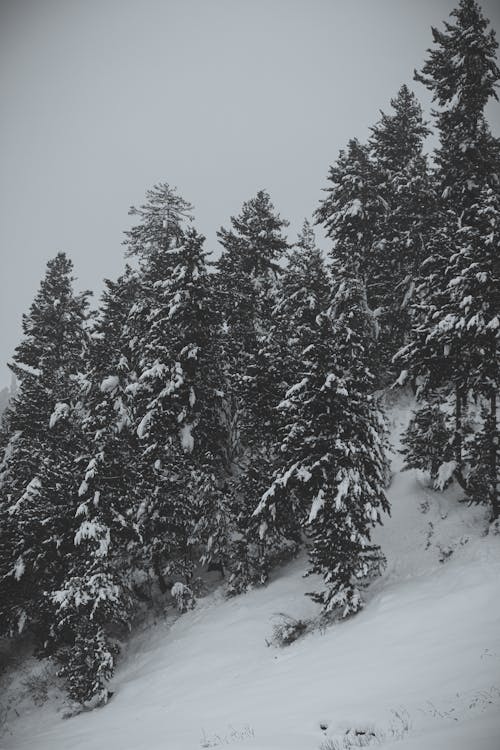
(451, 327)
(38, 478)
(427, 442)
(333, 469)
(351, 214)
(341, 519)
(178, 392)
(303, 296)
(97, 593)
(302, 292)
(343, 433)
(462, 74)
(475, 289)
(435, 358)
(402, 230)
(109, 463)
(247, 276)
(199, 394)
(153, 240)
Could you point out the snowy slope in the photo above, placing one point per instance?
(419, 668)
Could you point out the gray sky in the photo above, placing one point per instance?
(103, 98)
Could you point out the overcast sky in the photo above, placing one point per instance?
(103, 98)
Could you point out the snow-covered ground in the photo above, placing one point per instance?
(418, 668)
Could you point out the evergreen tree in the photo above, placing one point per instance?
(349, 467)
(97, 594)
(177, 396)
(303, 293)
(38, 481)
(403, 229)
(350, 214)
(462, 74)
(248, 270)
(427, 442)
(341, 549)
(439, 356)
(109, 463)
(302, 298)
(332, 472)
(457, 304)
(475, 292)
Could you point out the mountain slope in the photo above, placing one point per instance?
(419, 667)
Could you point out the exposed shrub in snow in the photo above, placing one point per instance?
(361, 737)
(369, 735)
(287, 629)
(183, 596)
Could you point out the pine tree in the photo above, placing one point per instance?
(177, 396)
(109, 463)
(248, 270)
(332, 472)
(451, 335)
(427, 442)
(462, 74)
(302, 298)
(152, 240)
(341, 549)
(302, 294)
(197, 402)
(438, 356)
(97, 594)
(403, 229)
(349, 466)
(350, 214)
(475, 290)
(38, 473)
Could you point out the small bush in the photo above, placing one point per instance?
(287, 630)
(183, 596)
(353, 738)
(369, 735)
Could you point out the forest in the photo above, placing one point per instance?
(223, 410)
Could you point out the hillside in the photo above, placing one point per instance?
(418, 668)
